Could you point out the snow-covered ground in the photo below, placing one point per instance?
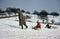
(10, 29)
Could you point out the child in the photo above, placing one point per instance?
(48, 26)
(37, 26)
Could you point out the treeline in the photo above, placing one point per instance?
(45, 13)
(11, 10)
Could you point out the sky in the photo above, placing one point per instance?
(31, 5)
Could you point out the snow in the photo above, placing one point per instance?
(10, 29)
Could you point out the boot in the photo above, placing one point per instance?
(22, 27)
(26, 26)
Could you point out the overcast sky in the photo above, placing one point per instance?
(31, 5)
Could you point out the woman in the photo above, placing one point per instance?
(21, 19)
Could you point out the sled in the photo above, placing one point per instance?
(35, 28)
(52, 27)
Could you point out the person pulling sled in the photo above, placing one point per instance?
(21, 19)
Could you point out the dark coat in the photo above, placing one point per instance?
(48, 26)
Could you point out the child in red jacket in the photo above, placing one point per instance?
(37, 26)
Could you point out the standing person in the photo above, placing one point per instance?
(43, 20)
(21, 19)
(52, 21)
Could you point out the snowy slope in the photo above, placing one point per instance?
(10, 29)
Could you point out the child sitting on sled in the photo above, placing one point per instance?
(37, 26)
(48, 26)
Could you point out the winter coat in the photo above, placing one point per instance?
(48, 26)
(22, 19)
(38, 25)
